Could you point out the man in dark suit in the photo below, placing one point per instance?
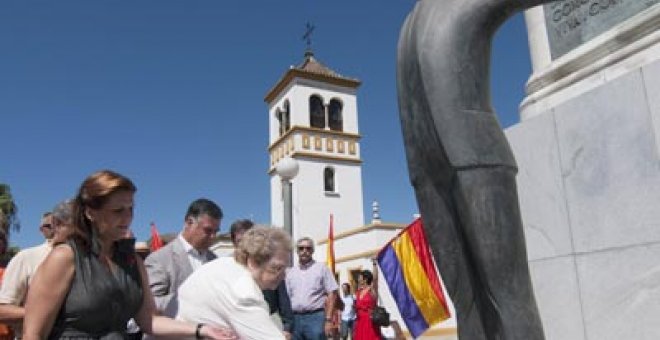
(169, 266)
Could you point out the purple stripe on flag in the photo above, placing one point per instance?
(391, 269)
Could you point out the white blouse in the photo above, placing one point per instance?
(223, 293)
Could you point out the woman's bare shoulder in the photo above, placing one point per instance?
(61, 253)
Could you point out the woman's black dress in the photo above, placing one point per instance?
(100, 302)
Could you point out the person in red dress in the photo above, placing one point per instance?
(366, 299)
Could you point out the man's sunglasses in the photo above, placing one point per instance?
(47, 226)
(303, 248)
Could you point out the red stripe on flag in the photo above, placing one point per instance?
(418, 238)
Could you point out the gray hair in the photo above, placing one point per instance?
(261, 243)
(63, 211)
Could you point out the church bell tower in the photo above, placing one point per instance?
(312, 113)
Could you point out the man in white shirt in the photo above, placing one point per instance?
(169, 266)
(312, 289)
(24, 265)
(348, 313)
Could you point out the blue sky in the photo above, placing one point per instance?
(170, 93)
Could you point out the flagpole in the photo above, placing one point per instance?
(330, 250)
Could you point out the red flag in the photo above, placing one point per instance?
(330, 255)
(156, 242)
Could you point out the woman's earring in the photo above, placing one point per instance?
(88, 215)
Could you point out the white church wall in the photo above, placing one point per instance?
(313, 206)
(273, 122)
(363, 242)
(303, 89)
(276, 202)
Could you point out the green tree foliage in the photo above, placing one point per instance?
(8, 255)
(8, 210)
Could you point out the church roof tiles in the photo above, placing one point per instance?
(313, 69)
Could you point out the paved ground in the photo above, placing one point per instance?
(440, 337)
(434, 337)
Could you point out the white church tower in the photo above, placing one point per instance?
(313, 122)
(313, 119)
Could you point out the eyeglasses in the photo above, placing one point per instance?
(47, 226)
(275, 269)
(308, 248)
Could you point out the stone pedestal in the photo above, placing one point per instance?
(587, 148)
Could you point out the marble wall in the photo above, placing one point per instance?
(589, 188)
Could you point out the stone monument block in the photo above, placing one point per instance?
(542, 203)
(620, 292)
(593, 94)
(556, 287)
(610, 166)
(571, 23)
(652, 83)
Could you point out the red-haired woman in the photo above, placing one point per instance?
(90, 286)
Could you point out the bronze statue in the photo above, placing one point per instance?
(462, 167)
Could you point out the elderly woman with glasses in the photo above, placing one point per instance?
(227, 290)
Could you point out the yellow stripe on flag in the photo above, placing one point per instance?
(417, 281)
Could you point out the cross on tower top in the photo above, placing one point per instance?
(309, 28)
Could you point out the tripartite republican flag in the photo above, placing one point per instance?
(330, 255)
(156, 242)
(410, 273)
